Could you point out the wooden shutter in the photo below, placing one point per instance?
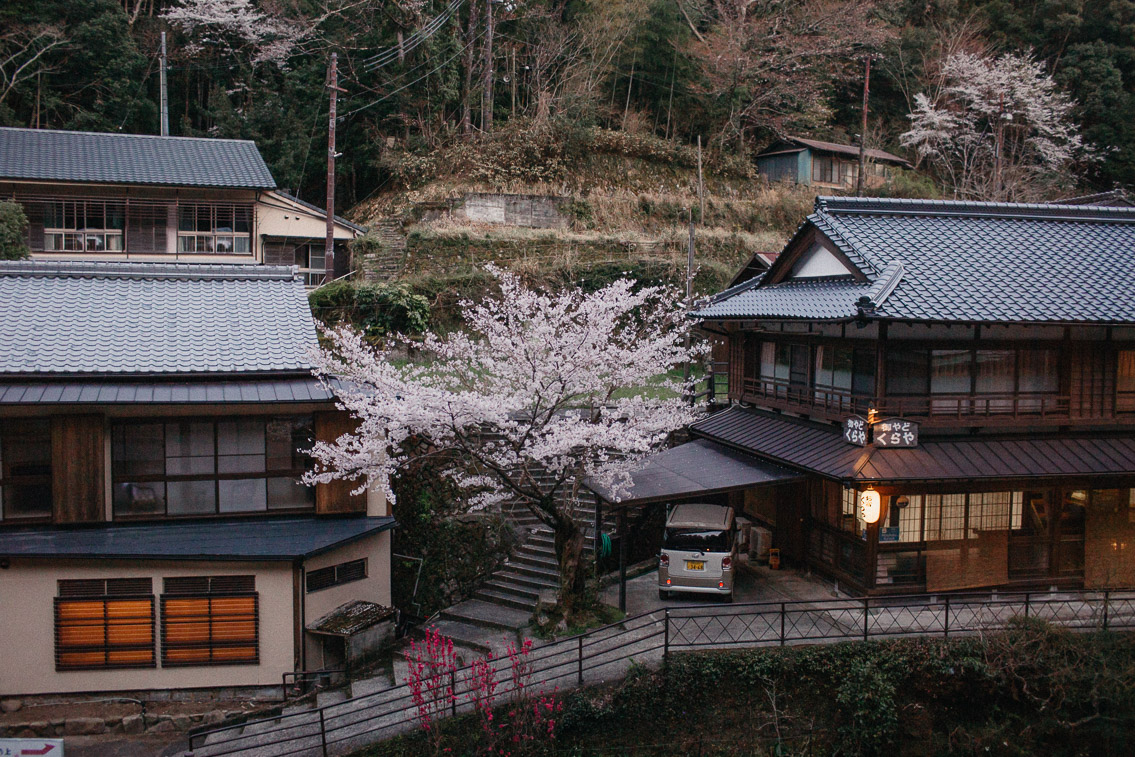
(36, 213)
(210, 630)
(336, 497)
(77, 464)
(104, 633)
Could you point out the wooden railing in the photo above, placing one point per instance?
(945, 408)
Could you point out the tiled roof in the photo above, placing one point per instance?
(75, 318)
(961, 261)
(221, 539)
(100, 158)
(821, 449)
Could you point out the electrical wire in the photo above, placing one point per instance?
(387, 96)
(431, 27)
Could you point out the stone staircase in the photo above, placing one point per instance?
(505, 602)
(385, 263)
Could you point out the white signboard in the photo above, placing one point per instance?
(855, 430)
(31, 747)
(896, 432)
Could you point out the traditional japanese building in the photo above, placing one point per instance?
(825, 165)
(930, 396)
(155, 530)
(140, 197)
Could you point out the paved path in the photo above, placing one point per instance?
(688, 624)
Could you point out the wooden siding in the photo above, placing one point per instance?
(736, 365)
(336, 497)
(77, 465)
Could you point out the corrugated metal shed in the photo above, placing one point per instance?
(101, 158)
(84, 318)
(221, 539)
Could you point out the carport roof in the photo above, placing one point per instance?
(700, 467)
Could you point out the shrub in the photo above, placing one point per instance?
(13, 231)
(377, 309)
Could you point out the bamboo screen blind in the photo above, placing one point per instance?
(218, 626)
(93, 632)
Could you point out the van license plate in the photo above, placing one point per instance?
(695, 564)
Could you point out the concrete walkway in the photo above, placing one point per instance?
(796, 609)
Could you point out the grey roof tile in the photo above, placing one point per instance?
(152, 318)
(79, 156)
(962, 261)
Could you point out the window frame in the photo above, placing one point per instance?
(107, 598)
(336, 578)
(301, 463)
(56, 211)
(312, 276)
(8, 479)
(213, 644)
(197, 237)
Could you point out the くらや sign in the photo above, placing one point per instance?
(896, 432)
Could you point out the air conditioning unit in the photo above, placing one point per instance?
(759, 544)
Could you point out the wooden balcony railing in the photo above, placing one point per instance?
(944, 408)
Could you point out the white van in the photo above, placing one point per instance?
(699, 551)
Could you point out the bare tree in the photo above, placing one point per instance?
(24, 54)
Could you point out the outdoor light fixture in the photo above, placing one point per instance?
(870, 506)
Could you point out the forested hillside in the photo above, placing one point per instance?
(738, 73)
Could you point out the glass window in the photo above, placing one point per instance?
(221, 229)
(908, 372)
(950, 371)
(996, 371)
(945, 517)
(84, 226)
(1125, 381)
(25, 469)
(905, 514)
(196, 467)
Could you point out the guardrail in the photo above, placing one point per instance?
(604, 653)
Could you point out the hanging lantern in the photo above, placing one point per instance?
(870, 506)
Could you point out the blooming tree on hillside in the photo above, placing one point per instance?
(234, 24)
(998, 130)
(536, 394)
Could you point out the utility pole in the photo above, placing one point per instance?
(689, 302)
(701, 193)
(164, 91)
(863, 133)
(329, 249)
(487, 92)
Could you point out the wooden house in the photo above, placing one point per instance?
(824, 165)
(930, 396)
(97, 196)
(155, 533)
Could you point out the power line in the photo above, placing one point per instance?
(440, 66)
(414, 40)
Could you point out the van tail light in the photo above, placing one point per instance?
(727, 563)
(664, 560)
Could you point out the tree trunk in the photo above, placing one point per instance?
(569, 554)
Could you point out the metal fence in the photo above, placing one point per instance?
(606, 653)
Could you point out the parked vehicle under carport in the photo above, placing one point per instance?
(699, 551)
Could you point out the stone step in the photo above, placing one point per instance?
(550, 576)
(537, 582)
(488, 615)
(467, 635)
(507, 600)
(535, 560)
(499, 585)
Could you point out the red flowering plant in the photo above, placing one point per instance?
(529, 718)
(432, 664)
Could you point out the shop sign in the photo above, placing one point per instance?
(31, 747)
(855, 430)
(889, 533)
(896, 433)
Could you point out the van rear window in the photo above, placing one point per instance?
(695, 540)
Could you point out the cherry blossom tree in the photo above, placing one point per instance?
(999, 129)
(540, 391)
(235, 24)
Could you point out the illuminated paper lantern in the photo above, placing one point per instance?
(870, 506)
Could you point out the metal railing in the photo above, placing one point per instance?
(297, 683)
(605, 653)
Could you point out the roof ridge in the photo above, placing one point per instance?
(972, 208)
(140, 270)
(125, 134)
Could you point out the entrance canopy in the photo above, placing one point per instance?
(697, 468)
